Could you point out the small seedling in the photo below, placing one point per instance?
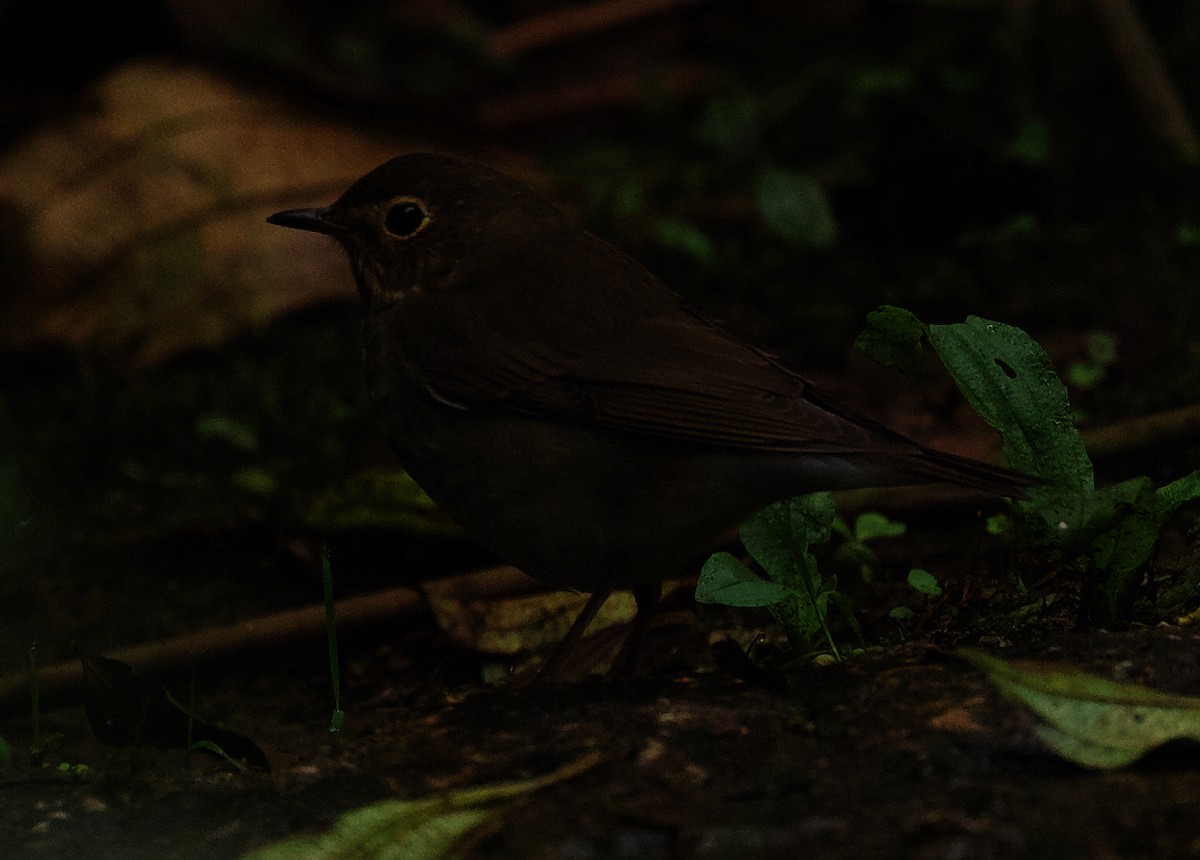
(925, 582)
(1101, 353)
(1106, 534)
(796, 591)
(855, 552)
(920, 580)
(79, 771)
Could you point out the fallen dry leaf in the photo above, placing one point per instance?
(1088, 719)
(135, 226)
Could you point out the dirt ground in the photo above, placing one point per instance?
(904, 751)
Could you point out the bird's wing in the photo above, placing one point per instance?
(671, 374)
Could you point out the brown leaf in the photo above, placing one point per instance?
(136, 225)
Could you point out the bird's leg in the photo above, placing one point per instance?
(564, 648)
(647, 599)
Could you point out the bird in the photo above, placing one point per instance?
(575, 415)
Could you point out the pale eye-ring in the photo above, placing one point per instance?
(406, 217)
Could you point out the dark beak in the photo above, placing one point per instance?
(313, 220)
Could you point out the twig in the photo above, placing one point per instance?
(1124, 438)
(63, 681)
(566, 24)
(1152, 88)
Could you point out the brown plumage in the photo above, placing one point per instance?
(572, 412)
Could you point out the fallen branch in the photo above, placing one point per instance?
(63, 682)
(1175, 427)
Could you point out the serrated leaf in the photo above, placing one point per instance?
(1009, 380)
(1091, 720)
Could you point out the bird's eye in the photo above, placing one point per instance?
(406, 218)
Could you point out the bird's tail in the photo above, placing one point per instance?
(933, 465)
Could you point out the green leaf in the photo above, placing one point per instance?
(421, 829)
(626, 197)
(867, 82)
(779, 537)
(254, 480)
(894, 338)
(798, 613)
(685, 237)
(378, 499)
(873, 525)
(901, 613)
(1009, 380)
(1121, 549)
(1102, 352)
(1123, 545)
(1032, 143)
(235, 433)
(1177, 492)
(1086, 376)
(794, 206)
(1090, 720)
(999, 524)
(924, 582)
(731, 125)
(725, 580)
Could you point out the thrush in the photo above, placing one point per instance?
(574, 414)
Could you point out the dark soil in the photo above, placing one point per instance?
(900, 752)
